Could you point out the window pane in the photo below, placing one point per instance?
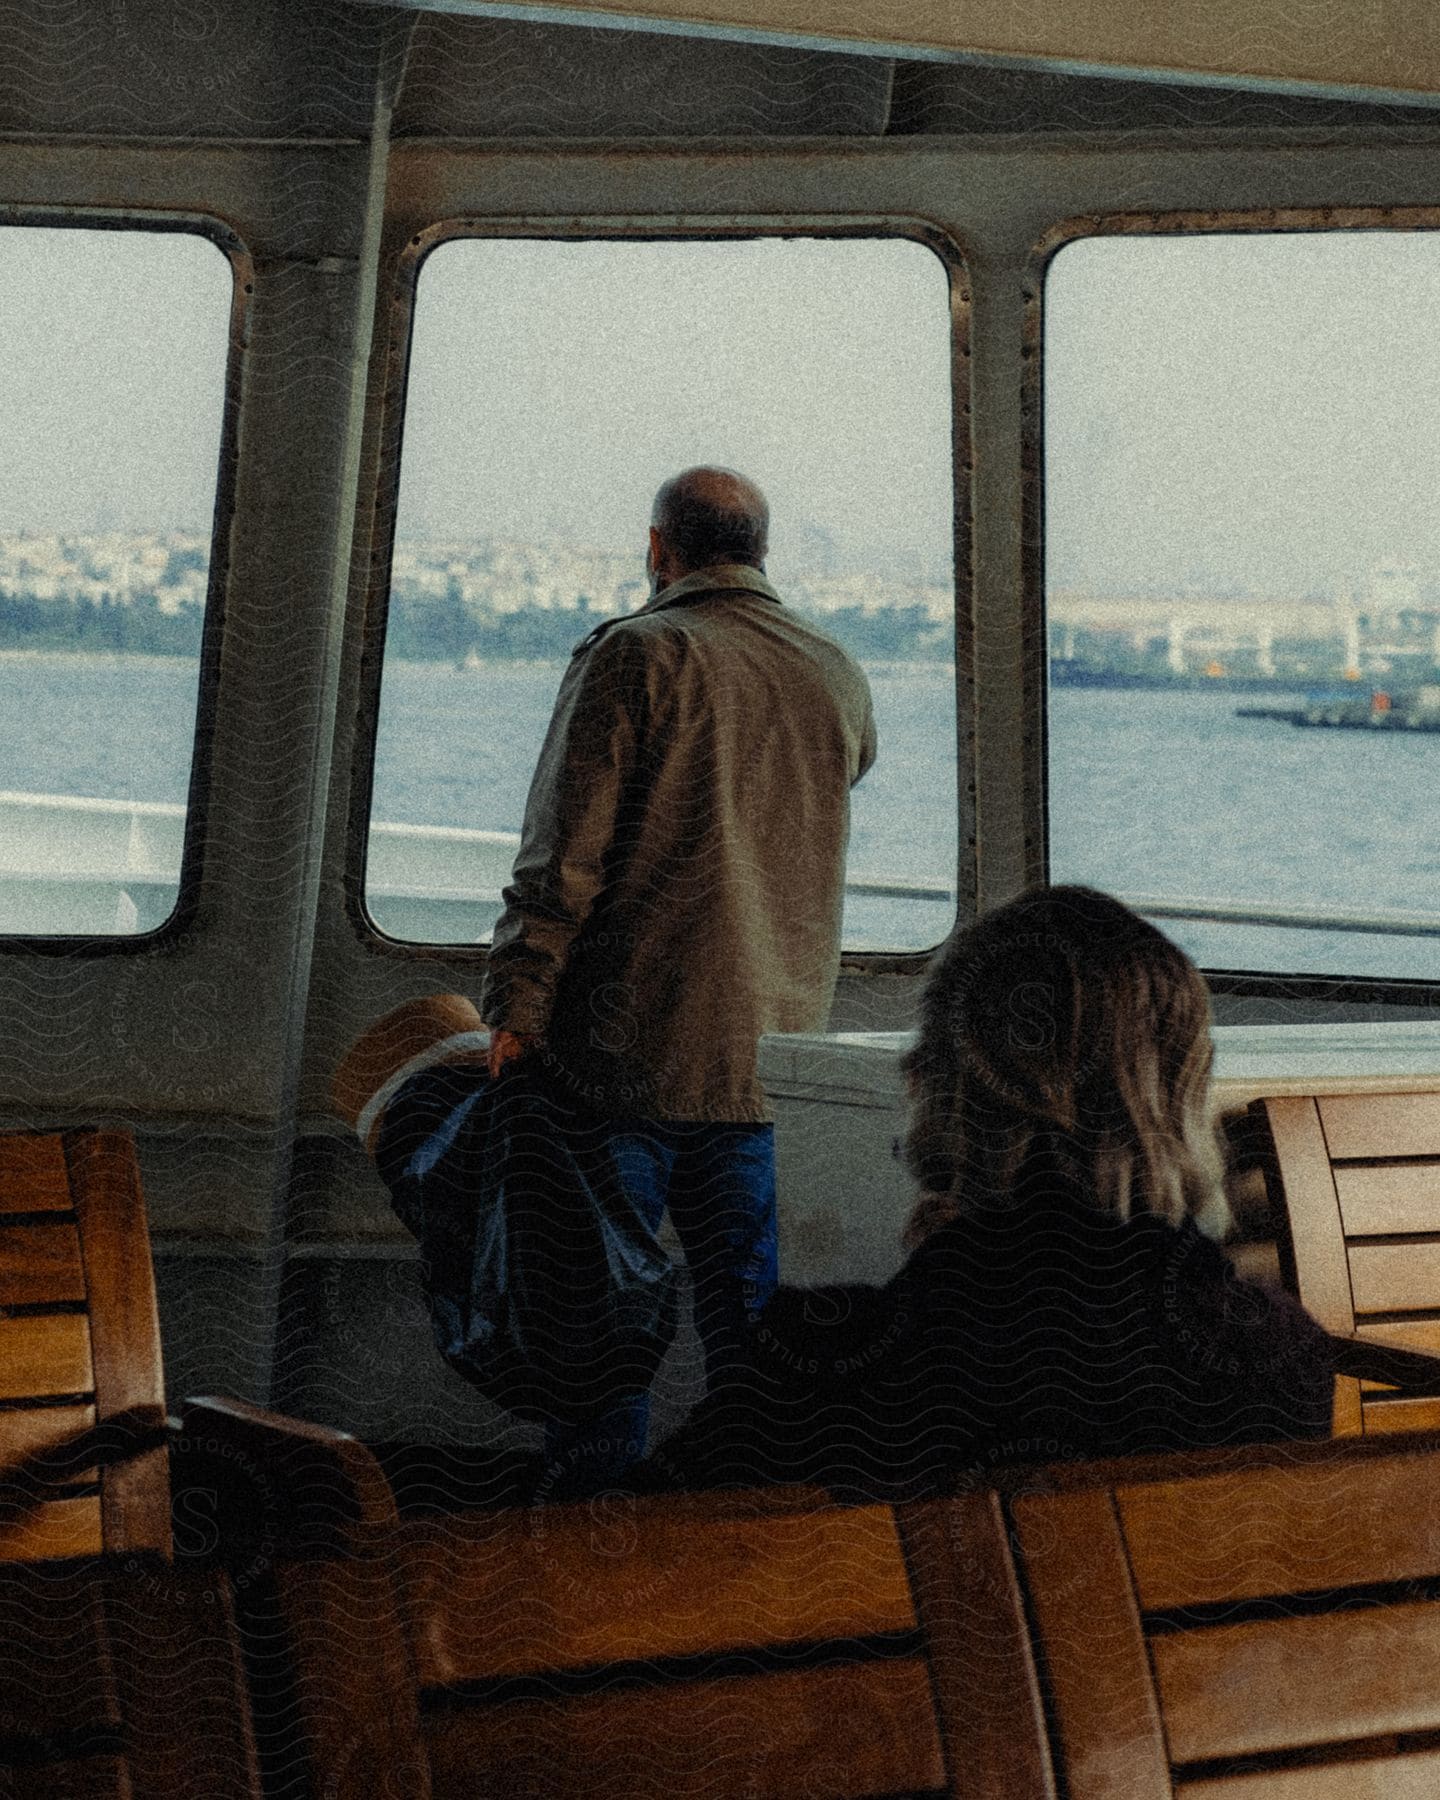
(1243, 589)
(553, 387)
(112, 381)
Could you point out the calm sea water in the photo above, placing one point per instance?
(457, 747)
(1172, 795)
(1168, 795)
(1153, 793)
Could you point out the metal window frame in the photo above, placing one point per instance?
(1035, 697)
(636, 228)
(181, 918)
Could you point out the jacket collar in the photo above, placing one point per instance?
(699, 584)
(719, 578)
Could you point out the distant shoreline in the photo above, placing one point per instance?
(1146, 682)
(1059, 676)
(90, 654)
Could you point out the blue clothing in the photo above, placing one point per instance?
(718, 1182)
(546, 1285)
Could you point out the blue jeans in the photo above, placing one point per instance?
(718, 1182)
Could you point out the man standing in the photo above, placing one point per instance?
(677, 892)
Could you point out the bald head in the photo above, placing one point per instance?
(706, 516)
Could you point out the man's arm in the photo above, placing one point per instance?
(587, 758)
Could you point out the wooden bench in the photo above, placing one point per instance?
(1257, 1625)
(1354, 1184)
(82, 1401)
(1261, 1624)
(121, 1680)
(88, 1460)
(1251, 1624)
(120, 1672)
(768, 1645)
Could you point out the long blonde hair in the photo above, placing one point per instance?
(1063, 1027)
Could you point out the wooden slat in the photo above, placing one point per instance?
(1282, 1530)
(25, 1432)
(33, 1175)
(1282, 1684)
(282, 1481)
(184, 1705)
(841, 1732)
(567, 1587)
(47, 1354)
(1408, 1334)
(56, 1673)
(1419, 1334)
(105, 1181)
(50, 1528)
(40, 1264)
(1103, 1702)
(1388, 1197)
(1229, 1093)
(706, 1504)
(1384, 1417)
(1347, 1415)
(354, 1681)
(1410, 1777)
(1307, 1208)
(1400, 1415)
(1362, 1126)
(125, 1329)
(1395, 1277)
(987, 1694)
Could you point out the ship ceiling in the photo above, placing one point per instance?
(312, 69)
(270, 69)
(1386, 48)
(487, 78)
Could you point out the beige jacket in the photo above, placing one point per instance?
(680, 877)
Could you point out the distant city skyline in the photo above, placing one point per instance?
(111, 562)
(467, 601)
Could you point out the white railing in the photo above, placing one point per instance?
(71, 865)
(441, 884)
(76, 866)
(1250, 912)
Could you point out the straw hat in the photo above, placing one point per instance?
(437, 1028)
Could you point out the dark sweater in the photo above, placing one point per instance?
(1033, 1331)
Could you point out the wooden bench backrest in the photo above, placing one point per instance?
(1267, 1632)
(79, 1351)
(121, 1682)
(765, 1645)
(1354, 1181)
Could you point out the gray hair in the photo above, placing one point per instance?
(709, 515)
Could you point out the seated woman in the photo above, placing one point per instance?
(1065, 1296)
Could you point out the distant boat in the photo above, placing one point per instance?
(1417, 709)
(471, 660)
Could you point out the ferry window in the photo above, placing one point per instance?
(1242, 549)
(112, 383)
(553, 387)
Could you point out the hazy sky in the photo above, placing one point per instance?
(112, 371)
(1261, 410)
(554, 386)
